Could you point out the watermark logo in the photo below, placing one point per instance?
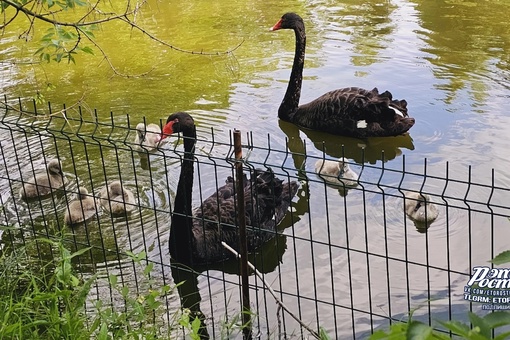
(490, 286)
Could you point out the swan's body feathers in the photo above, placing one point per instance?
(117, 199)
(337, 173)
(340, 111)
(196, 236)
(266, 199)
(420, 208)
(81, 209)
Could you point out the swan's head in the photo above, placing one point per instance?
(55, 167)
(140, 130)
(177, 122)
(343, 165)
(83, 193)
(115, 188)
(289, 20)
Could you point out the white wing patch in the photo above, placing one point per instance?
(398, 112)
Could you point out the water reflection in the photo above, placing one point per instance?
(370, 150)
(469, 44)
(369, 26)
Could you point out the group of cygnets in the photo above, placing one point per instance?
(118, 200)
(114, 197)
(417, 206)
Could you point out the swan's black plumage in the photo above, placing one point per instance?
(344, 111)
(196, 236)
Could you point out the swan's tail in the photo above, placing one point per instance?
(272, 197)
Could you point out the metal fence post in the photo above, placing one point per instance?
(243, 246)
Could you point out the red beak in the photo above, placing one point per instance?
(277, 26)
(167, 129)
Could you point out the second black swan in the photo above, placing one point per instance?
(350, 111)
(196, 236)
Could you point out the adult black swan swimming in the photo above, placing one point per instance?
(195, 237)
(350, 111)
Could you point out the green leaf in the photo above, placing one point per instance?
(322, 334)
(39, 50)
(418, 331)
(79, 252)
(88, 50)
(3, 6)
(456, 327)
(48, 36)
(103, 333)
(379, 335)
(58, 57)
(481, 324)
(502, 258)
(397, 331)
(148, 269)
(113, 279)
(497, 319)
(195, 325)
(502, 336)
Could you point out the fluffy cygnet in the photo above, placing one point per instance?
(81, 209)
(419, 207)
(147, 137)
(116, 199)
(44, 184)
(336, 172)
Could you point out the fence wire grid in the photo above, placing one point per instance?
(345, 259)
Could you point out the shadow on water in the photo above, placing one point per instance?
(368, 150)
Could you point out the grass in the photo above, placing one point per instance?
(46, 300)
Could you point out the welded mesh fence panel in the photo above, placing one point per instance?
(347, 259)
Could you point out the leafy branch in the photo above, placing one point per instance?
(65, 39)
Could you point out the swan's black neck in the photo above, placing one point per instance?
(290, 102)
(181, 235)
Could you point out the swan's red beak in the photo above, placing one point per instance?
(277, 26)
(167, 130)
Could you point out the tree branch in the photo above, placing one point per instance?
(10, 20)
(105, 56)
(123, 17)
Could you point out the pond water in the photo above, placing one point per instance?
(450, 60)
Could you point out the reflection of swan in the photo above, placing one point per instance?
(44, 184)
(80, 210)
(336, 172)
(419, 207)
(147, 137)
(349, 111)
(117, 199)
(369, 150)
(196, 238)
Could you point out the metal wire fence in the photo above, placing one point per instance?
(345, 258)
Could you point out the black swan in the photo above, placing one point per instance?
(350, 111)
(44, 184)
(81, 209)
(195, 237)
